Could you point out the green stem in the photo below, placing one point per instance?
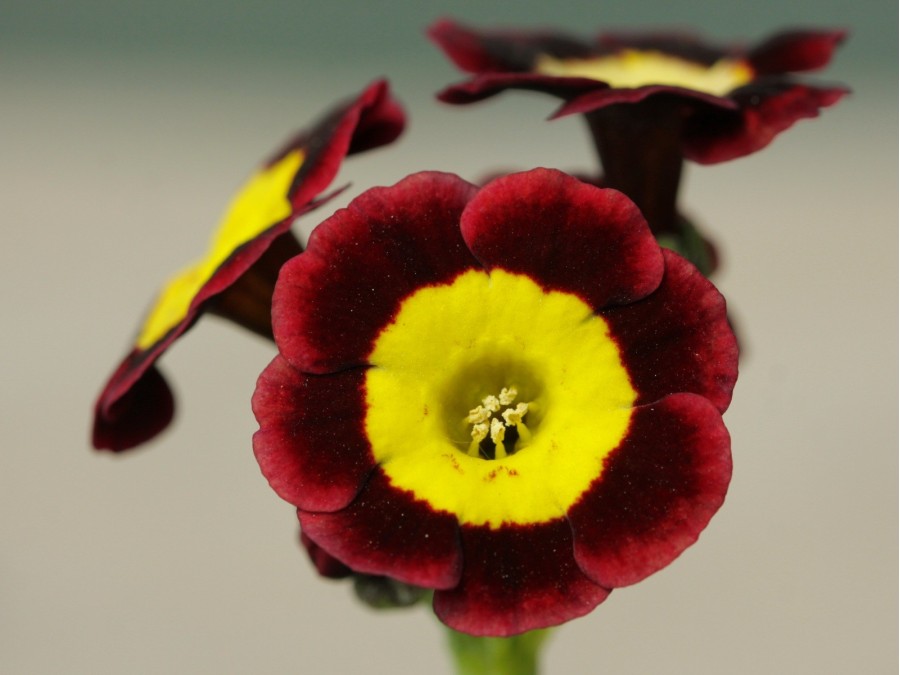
(516, 655)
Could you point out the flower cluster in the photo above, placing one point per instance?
(509, 395)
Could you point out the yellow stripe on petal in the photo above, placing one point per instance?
(632, 68)
(261, 203)
(483, 337)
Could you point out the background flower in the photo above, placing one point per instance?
(650, 100)
(541, 309)
(236, 278)
(734, 100)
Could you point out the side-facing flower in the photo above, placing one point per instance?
(651, 100)
(236, 277)
(510, 395)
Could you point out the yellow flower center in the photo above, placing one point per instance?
(494, 400)
(261, 203)
(630, 68)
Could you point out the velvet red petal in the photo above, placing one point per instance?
(311, 445)
(566, 235)
(515, 579)
(332, 301)
(677, 339)
(795, 51)
(485, 85)
(326, 565)
(658, 491)
(387, 532)
(766, 108)
(117, 408)
(126, 416)
(601, 96)
(367, 121)
(476, 51)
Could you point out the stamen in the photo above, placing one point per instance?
(491, 403)
(479, 433)
(498, 432)
(507, 396)
(478, 415)
(513, 416)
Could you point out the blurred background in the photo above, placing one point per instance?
(125, 127)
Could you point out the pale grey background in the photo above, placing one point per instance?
(124, 129)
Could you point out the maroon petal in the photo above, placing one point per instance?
(506, 51)
(600, 97)
(387, 532)
(367, 121)
(657, 492)
(485, 85)
(766, 108)
(326, 565)
(566, 235)
(677, 339)
(332, 301)
(125, 417)
(311, 444)
(795, 51)
(516, 579)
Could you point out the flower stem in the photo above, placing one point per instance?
(639, 145)
(516, 655)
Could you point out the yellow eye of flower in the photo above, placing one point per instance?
(632, 68)
(551, 396)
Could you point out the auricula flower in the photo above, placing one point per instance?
(510, 395)
(236, 277)
(651, 100)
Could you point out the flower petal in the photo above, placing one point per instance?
(387, 532)
(515, 579)
(474, 51)
(678, 338)
(368, 121)
(795, 51)
(326, 565)
(600, 97)
(485, 85)
(132, 410)
(566, 235)
(309, 427)
(765, 109)
(657, 492)
(332, 301)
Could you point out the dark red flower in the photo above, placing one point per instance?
(651, 100)
(510, 395)
(236, 278)
(735, 100)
